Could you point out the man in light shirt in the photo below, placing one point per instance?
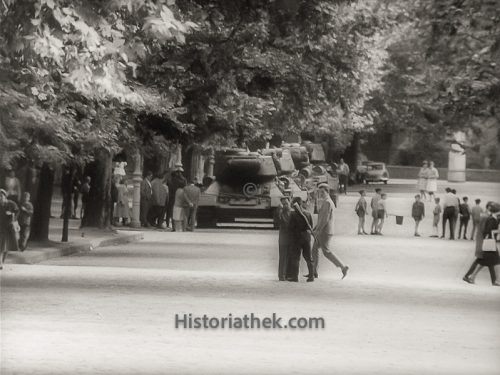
(324, 232)
(450, 208)
(343, 172)
(477, 210)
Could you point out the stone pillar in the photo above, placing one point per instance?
(456, 164)
(179, 154)
(136, 200)
(211, 162)
(197, 163)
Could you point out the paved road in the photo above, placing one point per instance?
(403, 309)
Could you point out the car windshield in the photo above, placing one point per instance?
(377, 167)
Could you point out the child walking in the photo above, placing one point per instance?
(361, 212)
(418, 213)
(437, 214)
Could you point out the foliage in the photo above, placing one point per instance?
(73, 65)
(258, 67)
(443, 78)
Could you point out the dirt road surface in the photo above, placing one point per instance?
(403, 308)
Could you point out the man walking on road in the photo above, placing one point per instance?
(324, 232)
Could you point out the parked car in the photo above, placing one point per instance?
(372, 171)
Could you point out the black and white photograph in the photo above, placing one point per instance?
(249, 187)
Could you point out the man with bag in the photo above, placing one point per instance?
(324, 230)
(8, 226)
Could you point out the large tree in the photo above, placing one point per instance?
(69, 78)
(257, 67)
(442, 78)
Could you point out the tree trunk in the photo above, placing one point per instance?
(42, 203)
(99, 208)
(356, 150)
(67, 188)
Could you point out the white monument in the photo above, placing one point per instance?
(457, 159)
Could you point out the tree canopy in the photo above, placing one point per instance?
(81, 75)
(441, 78)
(68, 82)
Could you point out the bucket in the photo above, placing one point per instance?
(399, 220)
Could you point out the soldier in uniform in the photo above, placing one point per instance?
(324, 232)
(299, 241)
(282, 220)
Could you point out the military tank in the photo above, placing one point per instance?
(318, 171)
(287, 171)
(245, 186)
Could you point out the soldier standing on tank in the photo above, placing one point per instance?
(299, 241)
(323, 232)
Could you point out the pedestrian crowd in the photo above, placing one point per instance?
(296, 230)
(16, 211)
(169, 201)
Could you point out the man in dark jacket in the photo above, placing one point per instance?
(300, 241)
(281, 220)
(159, 198)
(417, 212)
(176, 181)
(146, 195)
(24, 219)
(465, 213)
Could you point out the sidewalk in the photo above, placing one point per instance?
(80, 240)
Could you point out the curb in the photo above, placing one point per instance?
(37, 256)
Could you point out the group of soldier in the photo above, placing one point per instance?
(296, 233)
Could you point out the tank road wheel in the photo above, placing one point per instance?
(206, 217)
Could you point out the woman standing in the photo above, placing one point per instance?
(423, 175)
(122, 209)
(490, 259)
(432, 178)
